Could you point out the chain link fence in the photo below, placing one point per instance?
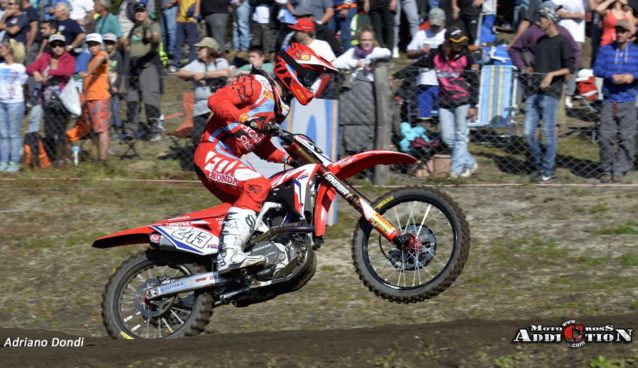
(394, 111)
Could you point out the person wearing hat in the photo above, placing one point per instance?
(422, 44)
(322, 31)
(617, 65)
(208, 73)
(523, 50)
(143, 75)
(53, 69)
(96, 109)
(457, 75)
(305, 34)
(554, 61)
(12, 77)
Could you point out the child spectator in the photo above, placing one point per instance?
(423, 43)
(616, 64)
(116, 70)
(208, 73)
(457, 76)
(257, 58)
(12, 76)
(96, 109)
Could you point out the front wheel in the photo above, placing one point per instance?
(428, 266)
(128, 314)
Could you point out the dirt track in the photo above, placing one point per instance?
(469, 343)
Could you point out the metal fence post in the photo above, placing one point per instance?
(383, 137)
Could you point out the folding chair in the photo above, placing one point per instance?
(497, 98)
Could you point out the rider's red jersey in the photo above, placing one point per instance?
(253, 95)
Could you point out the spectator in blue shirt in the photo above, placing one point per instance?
(616, 64)
(71, 30)
(15, 22)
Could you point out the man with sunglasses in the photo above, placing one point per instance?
(616, 64)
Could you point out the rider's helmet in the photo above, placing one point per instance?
(298, 67)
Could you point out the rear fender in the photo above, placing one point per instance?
(209, 219)
(346, 168)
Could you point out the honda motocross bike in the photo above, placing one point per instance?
(409, 245)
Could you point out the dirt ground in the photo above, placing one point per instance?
(539, 255)
(470, 343)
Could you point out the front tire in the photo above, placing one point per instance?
(127, 315)
(432, 264)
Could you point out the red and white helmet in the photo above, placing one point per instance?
(298, 67)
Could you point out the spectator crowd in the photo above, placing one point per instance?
(70, 67)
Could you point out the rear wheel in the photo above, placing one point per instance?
(429, 265)
(128, 314)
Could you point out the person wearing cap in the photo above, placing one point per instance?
(106, 22)
(12, 77)
(422, 44)
(523, 50)
(71, 30)
(467, 12)
(143, 74)
(53, 69)
(208, 73)
(305, 34)
(187, 17)
(96, 109)
(457, 75)
(612, 11)
(554, 61)
(617, 65)
(322, 32)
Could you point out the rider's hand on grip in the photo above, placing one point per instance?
(292, 163)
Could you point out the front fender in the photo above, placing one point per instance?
(138, 235)
(351, 165)
(347, 167)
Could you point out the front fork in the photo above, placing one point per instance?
(362, 205)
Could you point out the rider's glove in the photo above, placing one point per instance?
(293, 162)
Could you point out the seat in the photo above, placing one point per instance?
(497, 98)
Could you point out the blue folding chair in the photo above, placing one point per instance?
(497, 98)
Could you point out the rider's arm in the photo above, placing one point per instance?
(223, 103)
(267, 151)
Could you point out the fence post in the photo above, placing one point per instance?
(382, 93)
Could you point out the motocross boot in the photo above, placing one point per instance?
(237, 228)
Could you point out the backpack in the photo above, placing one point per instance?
(34, 153)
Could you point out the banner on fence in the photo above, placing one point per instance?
(319, 121)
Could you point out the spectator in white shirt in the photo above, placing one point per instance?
(360, 59)
(82, 11)
(420, 47)
(305, 34)
(572, 17)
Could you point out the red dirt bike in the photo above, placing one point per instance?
(409, 245)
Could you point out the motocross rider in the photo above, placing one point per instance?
(239, 124)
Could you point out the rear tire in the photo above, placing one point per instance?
(123, 310)
(445, 228)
